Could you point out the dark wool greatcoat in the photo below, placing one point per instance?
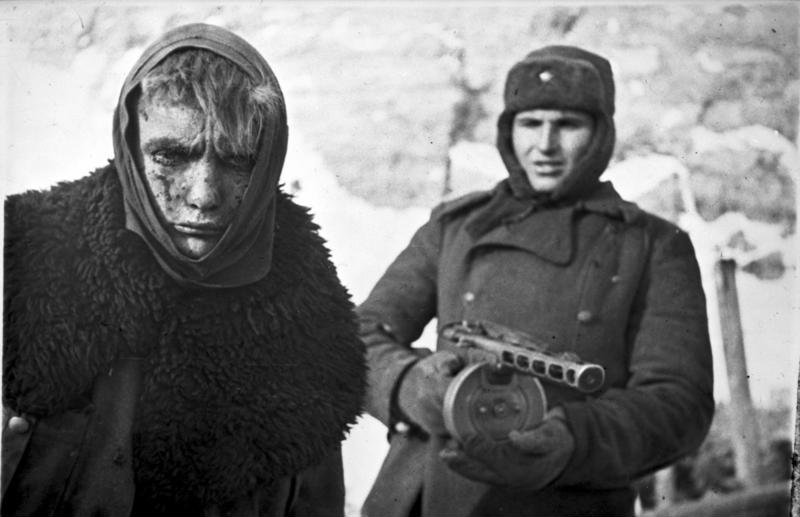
(599, 278)
(140, 396)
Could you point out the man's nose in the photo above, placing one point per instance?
(548, 138)
(205, 190)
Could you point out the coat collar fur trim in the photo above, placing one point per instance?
(241, 385)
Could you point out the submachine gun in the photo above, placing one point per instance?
(490, 397)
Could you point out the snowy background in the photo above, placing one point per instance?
(371, 93)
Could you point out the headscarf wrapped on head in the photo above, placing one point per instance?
(556, 77)
(243, 254)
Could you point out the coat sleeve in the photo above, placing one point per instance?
(320, 489)
(394, 315)
(665, 410)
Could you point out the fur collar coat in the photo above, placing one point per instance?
(240, 386)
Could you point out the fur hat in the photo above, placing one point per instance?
(561, 77)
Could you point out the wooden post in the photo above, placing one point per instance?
(796, 456)
(664, 481)
(795, 311)
(746, 435)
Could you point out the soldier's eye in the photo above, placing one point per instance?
(529, 122)
(573, 123)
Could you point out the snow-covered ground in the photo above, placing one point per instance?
(55, 125)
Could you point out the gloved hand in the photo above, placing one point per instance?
(531, 459)
(421, 393)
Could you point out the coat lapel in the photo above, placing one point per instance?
(549, 233)
(546, 234)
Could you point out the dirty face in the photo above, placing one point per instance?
(548, 144)
(196, 188)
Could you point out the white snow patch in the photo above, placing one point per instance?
(363, 238)
(637, 176)
(474, 166)
(753, 137)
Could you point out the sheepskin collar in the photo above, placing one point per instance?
(242, 385)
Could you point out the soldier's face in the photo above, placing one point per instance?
(548, 144)
(197, 191)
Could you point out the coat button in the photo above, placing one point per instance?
(401, 427)
(585, 316)
(469, 296)
(18, 425)
(615, 279)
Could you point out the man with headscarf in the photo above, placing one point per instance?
(554, 253)
(176, 338)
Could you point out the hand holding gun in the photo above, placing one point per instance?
(499, 391)
(496, 410)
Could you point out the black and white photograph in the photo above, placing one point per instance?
(400, 258)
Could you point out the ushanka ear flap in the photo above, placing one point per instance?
(517, 178)
(591, 165)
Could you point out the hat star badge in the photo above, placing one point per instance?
(546, 76)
